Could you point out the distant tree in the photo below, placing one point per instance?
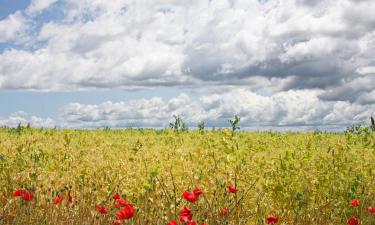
(372, 123)
(235, 122)
(19, 128)
(201, 126)
(178, 124)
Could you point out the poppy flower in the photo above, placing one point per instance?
(271, 219)
(25, 195)
(58, 199)
(190, 197)
(117, 222)
(197, 191)
(353, 220)
(18, 193)
(116, 196)
(354, 202)
(125, 213)
(120, 202)
(232, 189)
(224, 212)
(370, 209)
(185, 214)
(173, 222)
(191, 223)
(101, 209)
(70, 198)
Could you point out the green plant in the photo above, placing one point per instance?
(235, 124)
(201, 126)
(178, 124)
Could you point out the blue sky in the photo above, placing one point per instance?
(293, 64)
(11, 6)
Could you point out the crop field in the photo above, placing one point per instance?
(160, 177)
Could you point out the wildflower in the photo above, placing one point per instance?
(126, 213)
(197, 191)
(370, 209)
(58, 199)
(101, 209)
(185, 214)
(120, 202)
(232, 189)
(116, 196)
(18, 193)
(224, 212)
(271, 219)
(173, 222)
(354, 202)
(70, 198)
(190, 197)
(353, 221)
(117, 222)
(191, 223)
(25, 195)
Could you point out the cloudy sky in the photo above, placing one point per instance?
(280, 64)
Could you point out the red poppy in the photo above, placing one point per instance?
(272, 219)
(232, 189)
(125, 213)
(353, 221)
(185, 214)
(117, 222)
(101, 209)
(116, 196)
(120, 202)
(224, 212)
(370, 209)
(173, 222)
(70, 198)
(58, 199)
(197, 191)
(18, 193)
(191, 223)
(189, 196)
(26, 195)
(354, 202)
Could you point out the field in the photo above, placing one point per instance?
(300, 178)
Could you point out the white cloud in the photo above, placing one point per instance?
(37, 6)
(290, 62)
(11, 27)
(138, 44)
(21, 117)
(285, 109)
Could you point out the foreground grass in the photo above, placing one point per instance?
(304, 178)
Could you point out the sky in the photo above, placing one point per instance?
(278, 64)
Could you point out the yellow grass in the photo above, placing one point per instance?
(305, 178)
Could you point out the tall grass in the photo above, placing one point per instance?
(303, 178)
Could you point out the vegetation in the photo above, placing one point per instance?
(51, 176)
(178, 124)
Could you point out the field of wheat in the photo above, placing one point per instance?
(160, 177)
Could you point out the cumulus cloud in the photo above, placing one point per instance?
(21, 117)
(138, 44)
(37, 6)
(298, 109)
(274, 54)
(11, 27)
